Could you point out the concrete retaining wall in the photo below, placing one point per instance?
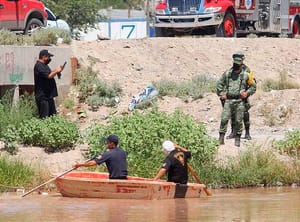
(17, 62)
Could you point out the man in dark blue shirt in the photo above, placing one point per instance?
(115, 159)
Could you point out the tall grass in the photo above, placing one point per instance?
(254, 167)
(195, 88)
(12, 115)
(280, 84)
(95, 92)
(14, 173)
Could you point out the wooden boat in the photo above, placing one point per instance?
(97, 185)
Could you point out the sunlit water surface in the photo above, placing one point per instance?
(258, 204)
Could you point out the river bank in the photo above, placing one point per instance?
(179, 59)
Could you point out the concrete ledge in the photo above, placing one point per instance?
(17, 62)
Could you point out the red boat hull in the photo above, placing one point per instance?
(97, 185)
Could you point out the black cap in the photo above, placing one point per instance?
(112, 138)
(45, 52)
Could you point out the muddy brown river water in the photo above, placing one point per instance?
(258, 204)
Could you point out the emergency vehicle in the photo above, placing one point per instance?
(228, 18)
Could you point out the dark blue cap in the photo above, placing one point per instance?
(112, 138)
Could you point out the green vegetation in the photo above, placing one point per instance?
(19, 124)
(95, 92)
(12, 116)
(142, 134)
(68, 103)
(82, 14)
(291, 144)
(50, 36)
(14, 173)
(195, 88)
(121, 4)
(54, 133)
(254, 167)
(79, 14)
(281, 84)
(39, 37)
(10, 38)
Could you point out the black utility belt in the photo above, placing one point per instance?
(233, 97)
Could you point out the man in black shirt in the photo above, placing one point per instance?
(115, 159)
(44, 84)
(175, 164)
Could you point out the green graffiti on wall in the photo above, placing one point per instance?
(16, 77)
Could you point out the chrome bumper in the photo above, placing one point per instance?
(188, 21)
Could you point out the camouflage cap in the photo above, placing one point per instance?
(238, 54)
(237, 60)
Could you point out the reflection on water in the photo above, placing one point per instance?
(259, 204)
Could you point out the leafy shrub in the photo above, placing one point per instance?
(63, 34)
(50, 36)
(53, 133)
(141, 135)
(95, 92)
(195, 88)
(8, 38)
(42, 36)
(254, 167)
(291, 144)
(281, 84)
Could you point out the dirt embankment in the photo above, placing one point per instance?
(136, 63)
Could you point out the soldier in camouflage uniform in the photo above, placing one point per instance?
(246, 118)
(235, 86)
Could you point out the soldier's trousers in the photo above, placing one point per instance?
(246, 118)
(235, 108)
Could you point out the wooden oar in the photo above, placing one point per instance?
(30, 191)
(43, 184)
(197, 179)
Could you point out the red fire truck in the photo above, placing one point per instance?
(228, 18)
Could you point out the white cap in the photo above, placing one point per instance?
(168, 146)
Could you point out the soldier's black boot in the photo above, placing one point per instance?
(237, 140)
(221, 138)
(247, 134)
(231, 135)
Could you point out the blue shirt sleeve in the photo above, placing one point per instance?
(104, 157)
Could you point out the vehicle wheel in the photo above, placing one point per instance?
(227, 28)
(161, 32)
(296, 28)
(32, 25)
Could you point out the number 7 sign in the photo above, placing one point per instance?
(128, 31)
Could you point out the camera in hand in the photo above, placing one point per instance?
(59, 74)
